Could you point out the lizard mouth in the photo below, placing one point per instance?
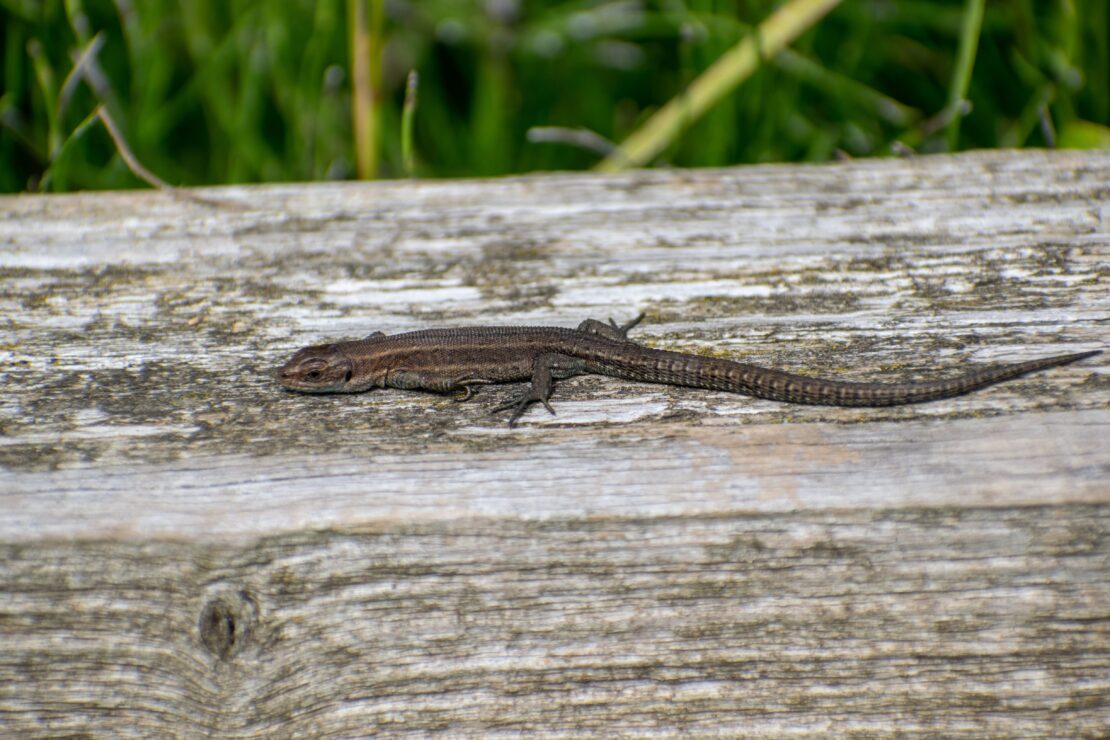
(290, 381)
(324, 379)
(300, 387)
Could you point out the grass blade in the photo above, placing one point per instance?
(366, 26)
(732, 68)
(408, 113)
(957, 106)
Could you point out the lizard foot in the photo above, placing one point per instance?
(521, 403)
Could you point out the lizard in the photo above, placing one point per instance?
(454, 360)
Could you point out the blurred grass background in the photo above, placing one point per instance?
(227, 91)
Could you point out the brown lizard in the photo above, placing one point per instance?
(447, 360)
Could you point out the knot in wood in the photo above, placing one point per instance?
(227, 622)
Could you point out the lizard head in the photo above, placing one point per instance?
(320, 369)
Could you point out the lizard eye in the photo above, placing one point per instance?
(312, 375)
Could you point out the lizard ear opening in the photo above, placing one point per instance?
(347, 377)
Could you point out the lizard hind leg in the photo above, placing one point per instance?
(612, 330)
(545, 370)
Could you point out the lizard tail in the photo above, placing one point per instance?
(798, 389)
(662, 366)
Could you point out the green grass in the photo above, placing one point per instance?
(238, 91)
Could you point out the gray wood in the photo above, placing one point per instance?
(188, 550)
(946, 621)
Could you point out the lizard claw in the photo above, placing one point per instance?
(521, 404)
(625, 327)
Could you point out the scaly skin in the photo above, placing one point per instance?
(447, 360)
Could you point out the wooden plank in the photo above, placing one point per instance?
(189, 550)
(670, 469)
(941, 621)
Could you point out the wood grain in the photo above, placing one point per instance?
(187, 550)
(940, 621)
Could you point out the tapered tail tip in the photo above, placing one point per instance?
(1080, 356)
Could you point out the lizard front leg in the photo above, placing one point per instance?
(412, 380)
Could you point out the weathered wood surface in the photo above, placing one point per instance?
(189, 550)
